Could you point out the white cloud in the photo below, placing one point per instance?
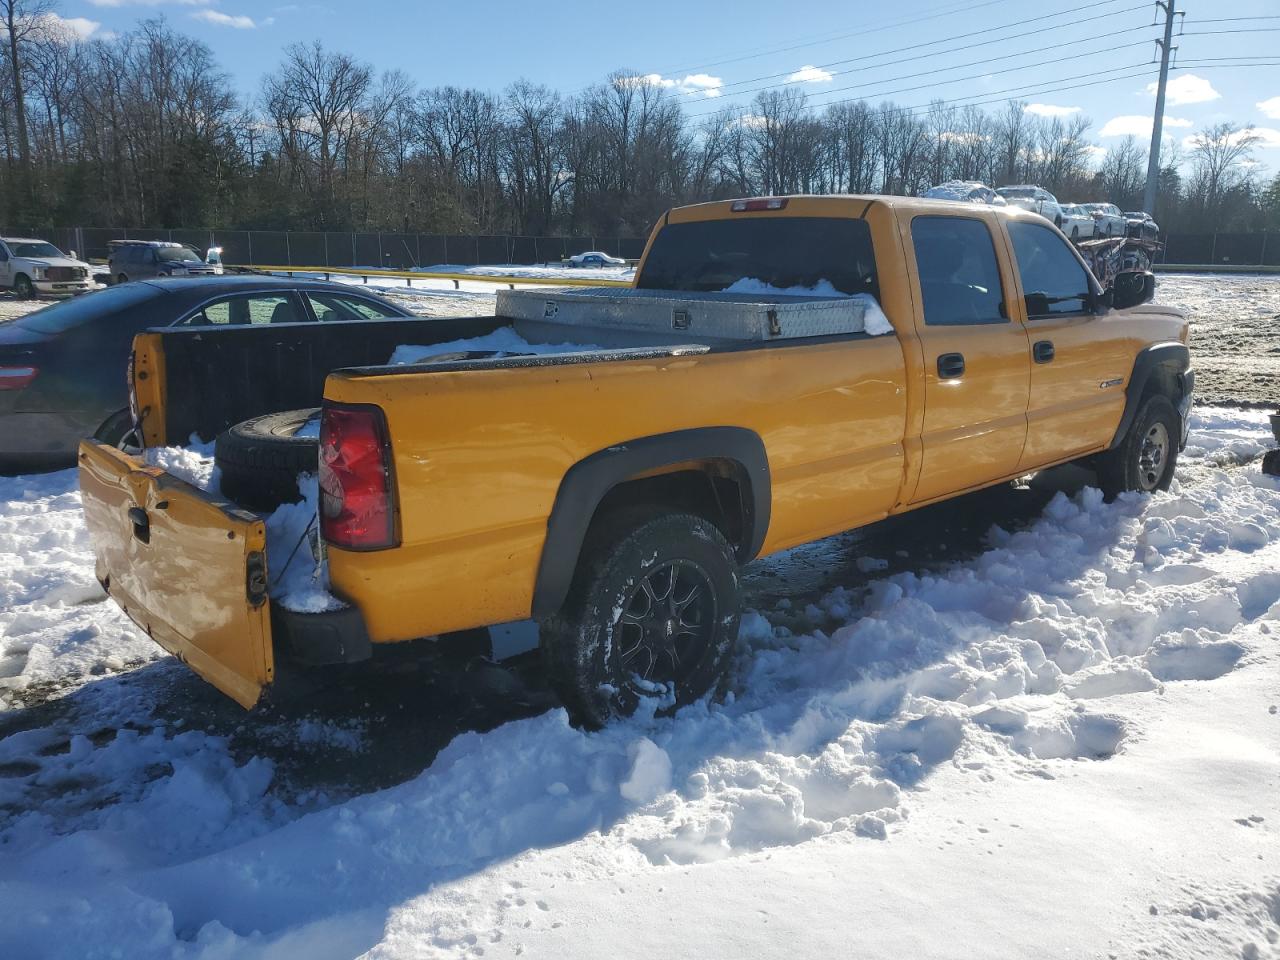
(1136, 126)
(1095, 152)
(811, 74)
(1049, 110)
(700, 83)
(219, 19)
(1187, 88)
(1268, 138)
(1270, 108)
(50, 26)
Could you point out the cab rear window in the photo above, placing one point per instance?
(783, 252)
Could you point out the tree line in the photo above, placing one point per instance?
(144, 129)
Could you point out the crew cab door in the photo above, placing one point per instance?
(1079, 364)
(976, 361)
(6, 267)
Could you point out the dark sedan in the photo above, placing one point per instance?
(62, 369)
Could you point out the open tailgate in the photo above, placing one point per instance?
(188, 568)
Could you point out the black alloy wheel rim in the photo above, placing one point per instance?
(666, 627)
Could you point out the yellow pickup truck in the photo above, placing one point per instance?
(613, 493)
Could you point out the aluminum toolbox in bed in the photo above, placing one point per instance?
(612, 315)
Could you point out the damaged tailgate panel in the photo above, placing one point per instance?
(188, 568)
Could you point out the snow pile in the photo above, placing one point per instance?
(542, 271)
(503, 342)
(56, 625)
(299, 580)
(875, 322)
(192, 463)
(1070, 721)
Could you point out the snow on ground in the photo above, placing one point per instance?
(540, 271)
(1068, 745)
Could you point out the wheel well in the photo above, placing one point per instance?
(1163, 381)
(714, 490)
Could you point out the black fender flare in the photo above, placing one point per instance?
(587, 481)
(1172, 354)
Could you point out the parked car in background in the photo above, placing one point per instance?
(594, 258)
(142, 259)
(213, 257)
(1107, 218)
(1077, 223)
(62, 369)
(1141, 224)
(32, 268)
(1036, 199)
(966, 191)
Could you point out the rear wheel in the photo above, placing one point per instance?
(260, 460)
(1075, 233)
(22, 288)
(652, 615)
(1146, 457)
(122, 278)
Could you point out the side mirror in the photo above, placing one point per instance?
(1037, 304)
(1132, 288)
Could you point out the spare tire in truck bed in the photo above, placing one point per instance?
(260, 459)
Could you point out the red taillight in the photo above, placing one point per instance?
(15, 378)
(764, 203)
(356, 509)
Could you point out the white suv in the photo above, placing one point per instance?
(35, 267)
(1036, 199)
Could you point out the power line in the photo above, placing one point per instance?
(905, 21)
(1018, 93)
(967, 46)
(971, 63)
(1214, 33)
(974, 76)
(1235, 19)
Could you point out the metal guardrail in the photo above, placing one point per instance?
(410, 275)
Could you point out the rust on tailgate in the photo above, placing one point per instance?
(188, 568)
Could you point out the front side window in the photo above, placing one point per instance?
(958, 272)
(254, 308)
(1053, 280)
(329, 307)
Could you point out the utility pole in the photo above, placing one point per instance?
(1157, 125)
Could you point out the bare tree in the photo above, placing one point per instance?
(23, 22)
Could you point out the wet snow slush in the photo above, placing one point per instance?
(1029, 724)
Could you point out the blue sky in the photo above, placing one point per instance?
(711, 54)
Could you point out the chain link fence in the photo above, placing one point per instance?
(405, 251)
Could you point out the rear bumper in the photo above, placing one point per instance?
(43, 441)
(319, 639)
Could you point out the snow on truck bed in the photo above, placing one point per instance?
(1067, 744)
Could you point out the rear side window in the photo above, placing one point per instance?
(256, 308)
(80, 310)
(783, 252)
(958, 271)
(330, 307)
(1053, 280)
